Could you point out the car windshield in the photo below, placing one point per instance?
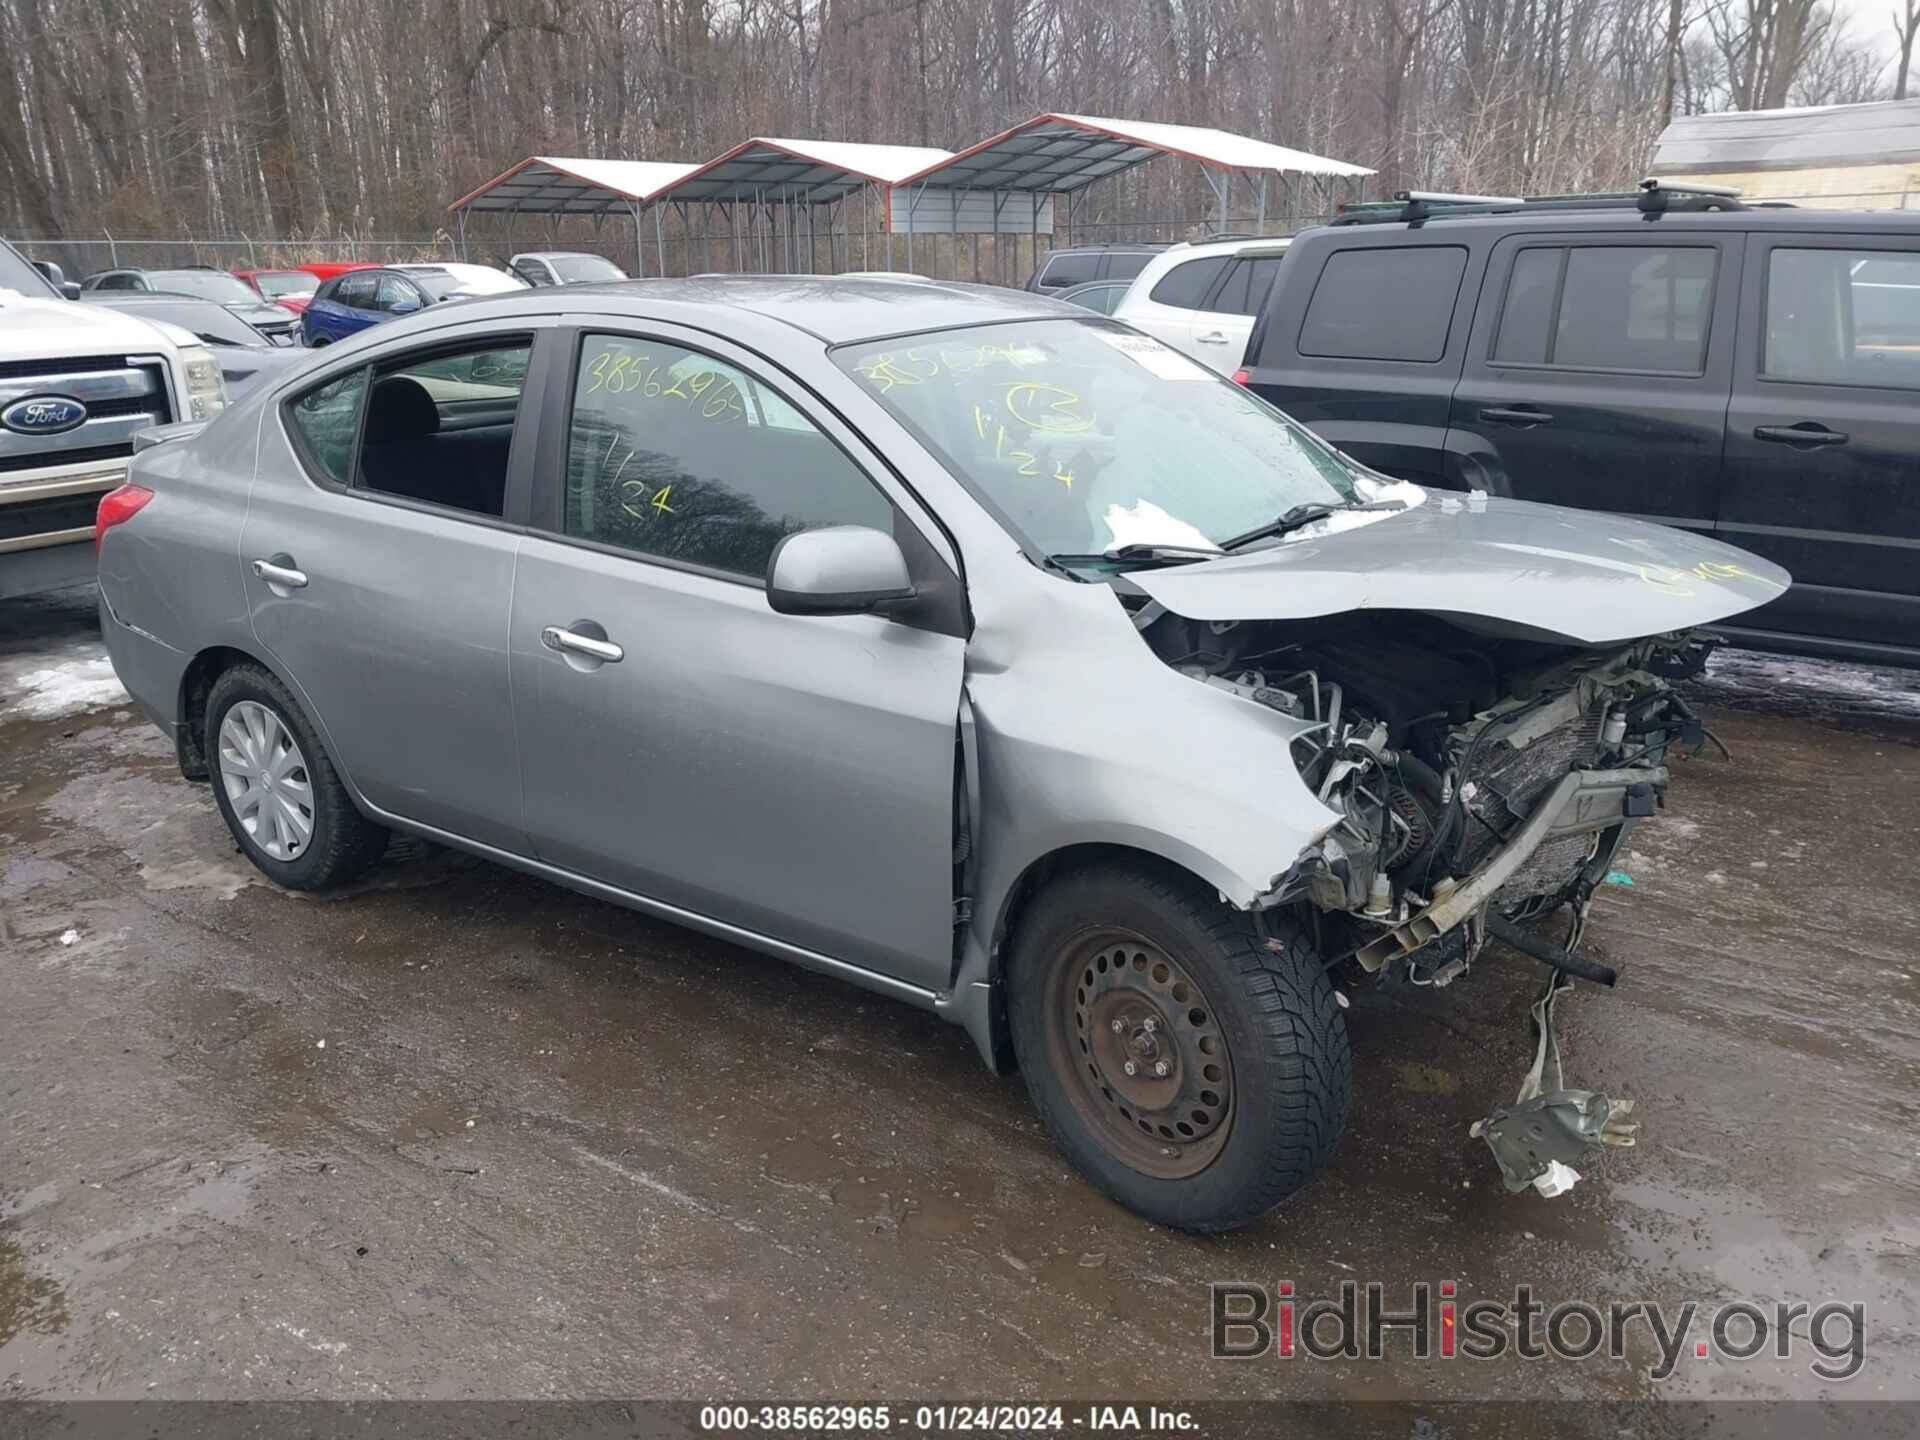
(1089, 437)
(285, 282)
(207, 284)
(585, 269)
(437, 283)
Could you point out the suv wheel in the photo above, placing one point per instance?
(1190, 1069)
(277, 789)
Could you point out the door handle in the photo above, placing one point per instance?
(1498, 415)
(558, 637)
(1808, 432)
(1218, 337)
(283, 575)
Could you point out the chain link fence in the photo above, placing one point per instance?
(82, 255)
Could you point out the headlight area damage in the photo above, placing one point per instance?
(1481, 781)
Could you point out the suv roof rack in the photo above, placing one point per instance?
(1652, 197)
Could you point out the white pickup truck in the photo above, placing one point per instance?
(76, 383)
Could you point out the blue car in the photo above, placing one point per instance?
(349, 303)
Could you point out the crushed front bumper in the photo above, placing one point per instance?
(1583, 802)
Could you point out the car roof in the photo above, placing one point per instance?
(560, 255)
(833, 309)
(1756, 217)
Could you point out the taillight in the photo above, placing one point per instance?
(117, 507)
(1243, 377)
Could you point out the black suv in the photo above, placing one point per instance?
(1749, 371)
(1076, 264)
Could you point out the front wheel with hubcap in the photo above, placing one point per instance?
(1192, 1067)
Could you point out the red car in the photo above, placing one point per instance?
(293, 287)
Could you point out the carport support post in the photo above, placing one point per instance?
(639, 241)
(659, 239)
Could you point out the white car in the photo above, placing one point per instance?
(472, 279)
(1202, 299)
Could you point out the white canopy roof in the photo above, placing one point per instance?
(1055, 152)
(798, 171)
(565, 185)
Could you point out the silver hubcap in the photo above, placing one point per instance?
(266, 780)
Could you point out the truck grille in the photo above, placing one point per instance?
(122, 395)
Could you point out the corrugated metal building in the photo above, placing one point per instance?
(1834, 157)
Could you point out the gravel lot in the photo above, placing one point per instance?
(461, 1133)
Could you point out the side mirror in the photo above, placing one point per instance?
(405, 307)
(70, 289)
(838, 570)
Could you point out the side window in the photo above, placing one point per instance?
(1635, 307)
(1231, 298)
(1126, 264)
(356, 290)
(1384, 303)
(1185, 286)
(1265, 270)
(393, 294)
(1844, 317)
(1526, 319)
(1070, 269)
(440, 429)
(675, 454)
(326, 420)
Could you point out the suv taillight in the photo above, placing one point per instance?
(1243, 377)
(117, 507)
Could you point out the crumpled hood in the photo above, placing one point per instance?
(1505, 566)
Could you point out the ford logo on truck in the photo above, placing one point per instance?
(43, 414)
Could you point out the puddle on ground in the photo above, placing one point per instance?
(27, 1301)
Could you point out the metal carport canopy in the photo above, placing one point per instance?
(1056, 152)
(1061, 154)
(557, 185)
(804, 172)
(571, 185)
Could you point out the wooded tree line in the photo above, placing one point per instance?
(366, 117)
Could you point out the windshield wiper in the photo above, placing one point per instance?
(1298, 516)
(1139, 553)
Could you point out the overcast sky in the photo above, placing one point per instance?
(1871, 20)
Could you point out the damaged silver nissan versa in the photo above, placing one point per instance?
(949, 640)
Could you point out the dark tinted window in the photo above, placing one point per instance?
(1384, 304)
(1069, 269)
(1232, 296)
(1185, 286)
(676, 454)
(1246, 286)
(1634, 307)
(1526, 321)
(355, 290)
(1126, 264)
(327, 419)
(1844, 317)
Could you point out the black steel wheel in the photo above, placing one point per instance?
(1190, 1066)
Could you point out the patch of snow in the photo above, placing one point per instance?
(81, 679)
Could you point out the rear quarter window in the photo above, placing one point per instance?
(1069, 270)
(1384, 303)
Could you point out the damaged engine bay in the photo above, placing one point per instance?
(1482, 781)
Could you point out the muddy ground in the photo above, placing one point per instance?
(461, 1133)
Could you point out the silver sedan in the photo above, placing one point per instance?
(953, 641)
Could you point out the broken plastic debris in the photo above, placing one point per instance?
(1619, 877)
(68, 937)
(319, 1044)
(1556, 1180)
(1340, 999)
